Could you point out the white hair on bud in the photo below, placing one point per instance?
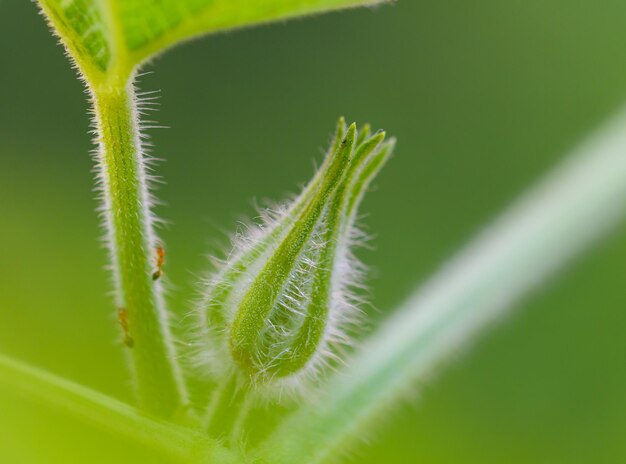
(211, 357)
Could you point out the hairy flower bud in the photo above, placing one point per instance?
(280, 305)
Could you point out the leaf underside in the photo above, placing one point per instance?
(114, 36)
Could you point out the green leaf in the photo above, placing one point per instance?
(111, 38)
(102, 412)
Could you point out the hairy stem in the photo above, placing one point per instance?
(133, 248)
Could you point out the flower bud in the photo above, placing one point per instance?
(279, 307)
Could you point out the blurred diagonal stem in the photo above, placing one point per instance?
(577, 204)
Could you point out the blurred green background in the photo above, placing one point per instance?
(484, 97)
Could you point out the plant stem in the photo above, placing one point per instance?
(133, 250)
(228, 410)
(578, 204)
